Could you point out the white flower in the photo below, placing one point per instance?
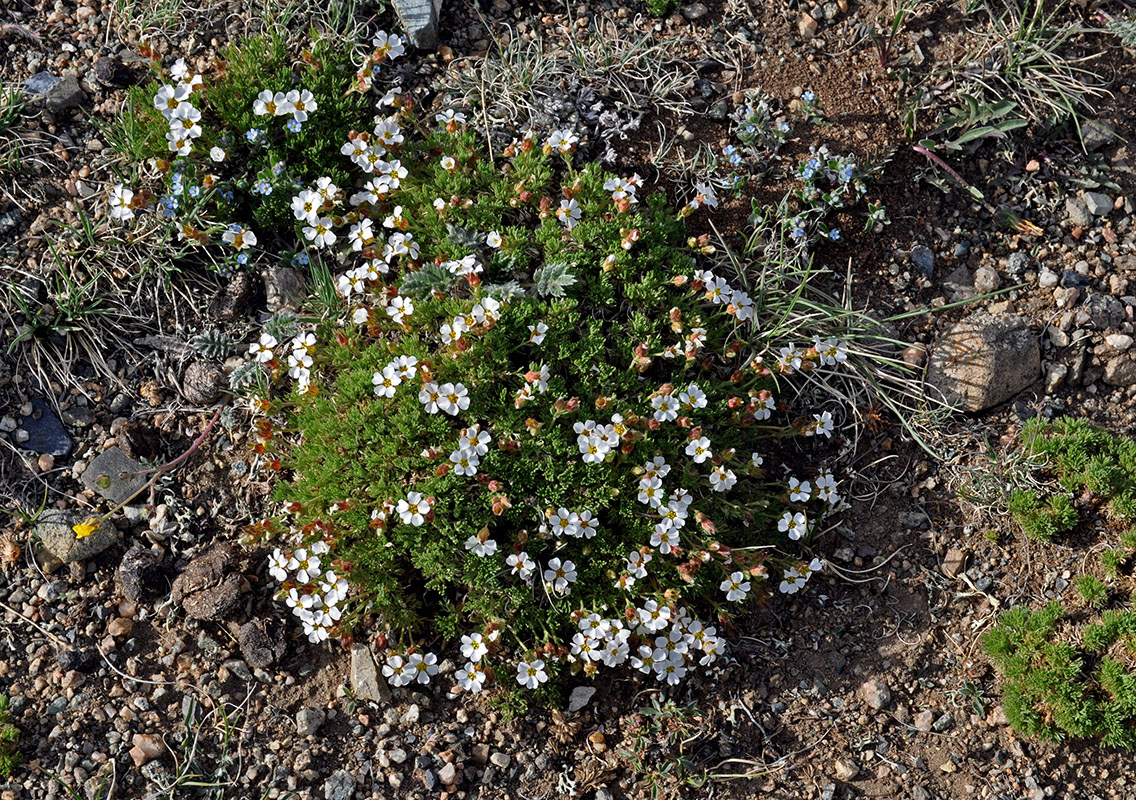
(320, 232)
(179, 70)
(831, 351)
(429, 396)
(693, 397)
(278, 565)
(791, 582)
(473, 646)
(396, 671)
(326, 189)
(494, 239)
(736, 587)
(718, 291)
(300, 103)
(665, 538)
(826, 488)
(448, 116)
(586, 524)
(704, 196)
(305, 206)
(448, 163)
(386, 381)
(261, 349)
(637, 563)
(756, 460)
(268, 104)
(361, 234)
(569, 213)
(531, 674)
(474, 439)
(407, 366)
(121, 199)
(537, 333)
(413, 509)
(453, 398)
(722, 479)
(666, 407)
(565, 523)
(465, 463)
(765, 406)
(654, 617)
(795, 525)
(699, 449)
(521, 564)
(560, 574)
(656, 468)
(799, 492)
(471, 677)
(388, 45)
(217, 154)
(587, 648)
(169, 98)
(422, 667)
(822, 424)
(562, 141)
(178, 143)
(480, 548)
(400, 308)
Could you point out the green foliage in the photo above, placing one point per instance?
(213, 344)
(9, 741)
(552, 279)
(1093, 593)
(661, 8)
(1039, 519)
(661, 735)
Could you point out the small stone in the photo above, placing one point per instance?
(38, 85)
(914, 355)
(480, 753)
(1047, 278)
(237, 299)
(986, 280)
(1120, 371)
(366, 682)
(120, 627)
(580, 697)
(1098, 203)
(954, 562)
(923, 259)
(806, 26)
(1017, 264)
(46, 462)
(500, 760)
(1054, 377)
(55, 530)
(1118, 341)
(845, 769)
(309, 720)
(109, 71)
(447, 774)
(695, 11)
(875, 694)
(923, 721)
(340, 786)
(64, 95)
(115, 475)
(943, 723)
(397, 755)
(1078, 212)
(146, 748)
(1095, 133)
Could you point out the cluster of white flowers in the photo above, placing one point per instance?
(793, 579)
(316, 598)
(420, 667)
(172, 100)
(388, 46)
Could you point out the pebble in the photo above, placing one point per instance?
(1047, 278)
(1098, 203)
(146, 748)
(120, 627)
(500, 760)
(1118, 341)
(447, 774)
(875, 693)
(923, 721)
(309, 720)
(845, 769)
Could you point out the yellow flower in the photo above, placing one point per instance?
(85, 529)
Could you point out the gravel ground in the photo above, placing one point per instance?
(126, 683)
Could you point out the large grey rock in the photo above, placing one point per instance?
(55, 530)
(365, 679)
(284, 288)
(115, 475)
(1078, 212)
(140, 576)
(419, 19)
(262, 642)
(1096, 134)
(38, 85)
(1104, 311)
(340, 786)
(984, 360)
(1121, 371)
(580, 697)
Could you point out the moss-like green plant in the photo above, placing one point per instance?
(9, 740)
(1039, 519)
(1093, 593)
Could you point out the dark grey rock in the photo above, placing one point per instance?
(720, 110)
(237, 299)
(46, 433)
(923, 259)
(111, 72)
(9, 221)
(1120, 371)
(1078, 212)
(114, 475)
(55, 530)
(64, 95)
(38, 85)
(340, 786)
(943, 723)
(1095, 133)
(1104, 310)
(960, 284)
(211, 587)
(140, 577)
(1075, 280)
(419, 19)
(1098, 203)
(84, 661)
(78, 416)
(984, 360)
